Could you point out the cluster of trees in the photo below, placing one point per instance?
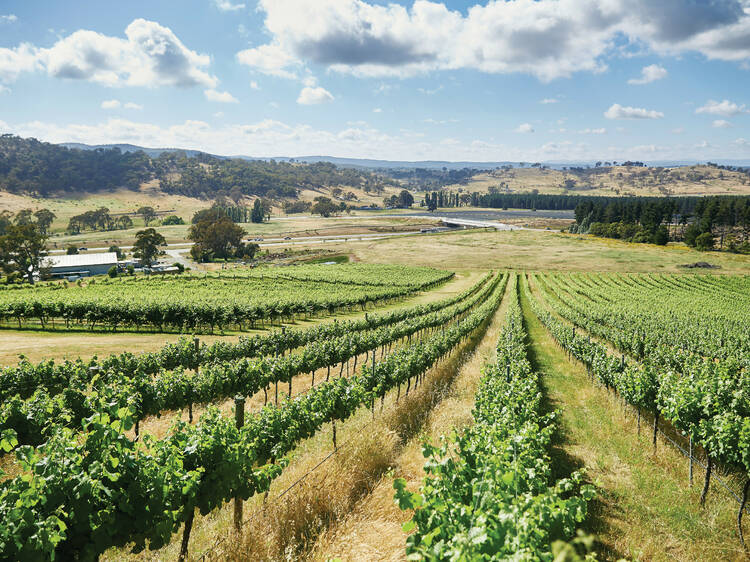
(204, 175)
(216, 236)
(293, 207)
(696, 220)
(98, 219)
(431, 178)
(39, 168)
(260, 211)
(325, 207)
(403, 200)
(437, 199)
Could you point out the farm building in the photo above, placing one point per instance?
(82, 265)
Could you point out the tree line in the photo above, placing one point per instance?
(698, 221)
(28, 166)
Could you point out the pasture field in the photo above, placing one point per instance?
(471, 338)
(614, 181)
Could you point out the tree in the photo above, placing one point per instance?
(704, 242)
(257, 214)
(147, 213)
(172, 220)
(124, 222)
(44, 218)
(219, 238)
(24, 216)
(324, 207)
(71, 250)
(147, 243)
(5, 221)
(21, 250)
(405, 199)
(247, 250)
(118, 251)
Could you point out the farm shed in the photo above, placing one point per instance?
(83, 265)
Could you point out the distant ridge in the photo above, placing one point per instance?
(391, 164)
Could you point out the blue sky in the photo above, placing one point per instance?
(517, 80)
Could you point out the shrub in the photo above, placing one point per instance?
(112, 271)
(705, 242)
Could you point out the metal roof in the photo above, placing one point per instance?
(81, 260)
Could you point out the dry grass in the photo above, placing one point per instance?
(372, 531)
(537, 250)
(619, 180)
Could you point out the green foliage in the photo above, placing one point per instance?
(216, 237)
(325, 207)
(201, 303)
(172, 220)
(22, 248)
(118, 251)
(112, 272)
(704, 242)
(147, 245)
(489, 493)
(30, 166)
(71, 250)
(81, 494)
(686, 335)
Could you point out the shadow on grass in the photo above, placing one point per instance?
(563, 462)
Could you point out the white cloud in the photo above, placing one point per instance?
(741, 142)
(227, 6)
(273, 138)
(547, 101)
(432, 121)
(269, 59)
(617, 111)
(219, 114)
(724, 108)
(524, 128)
(149, 55)
(313, 96)
(548, 39)
(430, 92)
(650, 73)
(721, 124)
(377, 110)
(600, 131)
(254, 85)
(9, 18)
(221, 97)
(116, 104)
(678, 130)
(24, 58)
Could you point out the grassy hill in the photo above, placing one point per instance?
(613, 181)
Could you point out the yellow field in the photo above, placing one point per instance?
(619, 180)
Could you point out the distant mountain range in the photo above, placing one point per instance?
(383, 164)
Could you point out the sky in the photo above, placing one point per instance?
(516, 80)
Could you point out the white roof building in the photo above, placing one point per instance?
(80, 264)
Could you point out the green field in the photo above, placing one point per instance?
(607, 333)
